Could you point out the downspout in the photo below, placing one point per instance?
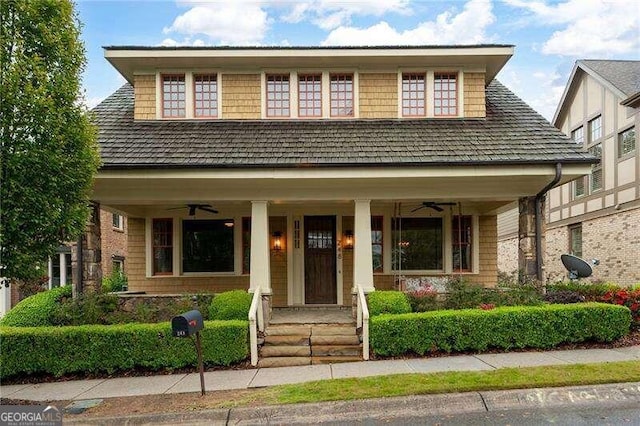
(538, 215)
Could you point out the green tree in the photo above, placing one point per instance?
(48, 151)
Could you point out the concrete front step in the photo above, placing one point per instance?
(288, 330)
(286, 361)
(286, 340)
(334, 359)
(336, 350)
(332, 330)
(335, 340)
(280, 351)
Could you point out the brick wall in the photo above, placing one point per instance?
(144, 89)
(241, 96)
(378, 95)
(613, 239)
(474, 95)
(113, 242)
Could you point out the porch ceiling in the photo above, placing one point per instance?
(496, 184)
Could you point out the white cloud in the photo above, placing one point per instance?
(469, 26)
(169, 42)
(331, 14)
(597, 28)
(230, 22)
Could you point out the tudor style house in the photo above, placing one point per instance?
(309, 172)
(597, 215)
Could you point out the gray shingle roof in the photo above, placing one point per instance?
(512, 133)
(624, 75)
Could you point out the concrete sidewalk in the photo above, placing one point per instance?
(255, 378)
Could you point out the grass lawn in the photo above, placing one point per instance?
(416, 384)
(375, 387)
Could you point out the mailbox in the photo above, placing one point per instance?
(187, 324)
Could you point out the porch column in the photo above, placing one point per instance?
(362, 257)
(260, 270)
(527, 262)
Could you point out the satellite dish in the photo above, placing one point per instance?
(577, 267)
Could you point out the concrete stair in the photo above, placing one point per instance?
(307, 344)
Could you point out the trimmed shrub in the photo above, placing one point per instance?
(108, 348)
(423, 300)
(591, 291)
(36, 310)
(543, 326)
(564, 296)
(465, 295)
(231, 305)
(388, 302)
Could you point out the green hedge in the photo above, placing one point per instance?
(36, 310)
(108, 348)
(505, 328)
(388, 302)
(231, 305)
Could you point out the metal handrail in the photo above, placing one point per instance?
(256, 322)
(363, 321)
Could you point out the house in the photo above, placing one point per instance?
(598, 215)
(61, 268)
(310, 172)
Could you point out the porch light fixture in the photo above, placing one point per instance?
(228, 224)
(277, 241)
(348, 239)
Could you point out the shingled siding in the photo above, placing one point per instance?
(241, 96)
(378, 95)
(279, 263)
(474, 95)
(488, 256)
(145, 97)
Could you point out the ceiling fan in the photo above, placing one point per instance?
(193, 207)
(433, 205)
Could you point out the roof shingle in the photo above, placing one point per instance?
(512, 133)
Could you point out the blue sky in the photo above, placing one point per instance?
(549, 35)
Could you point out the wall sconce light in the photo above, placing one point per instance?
(348, 239)
(277, 241)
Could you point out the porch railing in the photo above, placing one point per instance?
(363, 321)
(256, 322)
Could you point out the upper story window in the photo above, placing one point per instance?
(445, 94)
(596, 169)
(578, 135)
(205, 95)
(626, 142)
(310, 95)
(173, 96)
(278, 104)
(595, 129)
(341, 95)
(413, 95)
(579, 187)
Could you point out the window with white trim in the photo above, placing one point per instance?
(445, 94)
(341, 96)
(578, 135)
(118, 222)
(413, 94)
(626, 142)
(596, 169)
(205, 95)
(595, 129)
(173, 96)
(278, 100)
(310, 95)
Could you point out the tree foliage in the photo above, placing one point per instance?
(48, 146)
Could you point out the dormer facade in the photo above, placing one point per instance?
(309, 83)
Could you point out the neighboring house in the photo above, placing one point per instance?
(598, 215)
(309, 171)
(113, 252)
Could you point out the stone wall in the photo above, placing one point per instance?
(508, 255)
(378, 95)
(144, 89)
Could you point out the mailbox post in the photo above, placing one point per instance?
(187, 325)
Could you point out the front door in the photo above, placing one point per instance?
(320, 260)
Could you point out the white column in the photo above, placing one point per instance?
(5, 299)
(50, 271)
(260, 270)
(63, 269)
(362, 257)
